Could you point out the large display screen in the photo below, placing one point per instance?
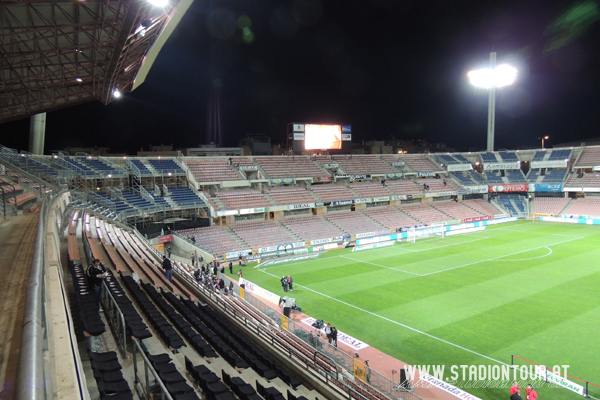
(322, 137)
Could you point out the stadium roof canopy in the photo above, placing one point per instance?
(55, 54)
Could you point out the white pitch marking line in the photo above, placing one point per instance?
(531, 258)
(447, 245)
(495, 258)
(540, 233)
(395, 322)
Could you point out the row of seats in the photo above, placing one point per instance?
(354, 222)
(290, 195)
(311, 227)
(89, 313)
(107, 371)
(212, 170)
(550, 205)
(262, 234)
(289, 167)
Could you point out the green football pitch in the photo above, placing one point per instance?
(526, 288)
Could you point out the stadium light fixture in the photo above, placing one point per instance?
(79, 80)
(116, 94)
(158, 3)
(492, 78)
(543, 138)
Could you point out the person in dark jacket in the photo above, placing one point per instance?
(230, 267)
(96, 273)
(291, 283)
(168, 267)
(333, 334)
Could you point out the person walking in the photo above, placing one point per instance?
(96, 273)
(291, 283)
(168, 267)
(531, 393)
(334, 333)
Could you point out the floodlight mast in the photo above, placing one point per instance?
(492, 78)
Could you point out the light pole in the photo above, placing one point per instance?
(492, 78)
(543, 138)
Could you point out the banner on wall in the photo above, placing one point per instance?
(509, 187)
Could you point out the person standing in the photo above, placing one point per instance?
(515, 388)
(96, 273)
(240, 273)
(531, 393)
(168, 267)
(169, 251)
(193, 259)
(284, 283)
(328, 332)
(230, 267)
(201, 260)
(334, 333)
(291, 283)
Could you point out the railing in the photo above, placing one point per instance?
(146, 196)
(116, 318)
(148, 368)
(116, 168)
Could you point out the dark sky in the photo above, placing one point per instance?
(389, 68)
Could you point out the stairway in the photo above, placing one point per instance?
(286, 229)
(334, 225)
(375, 221)
(564, 210)
(314, 195)
(238, 239)
(271, 200)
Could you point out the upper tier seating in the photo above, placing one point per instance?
(590, 157)
(370, 189)
(136, 200)
(290, 195)
(539, 155)
(141, 167)
(420, 163)
(508, 156)
(401, 186)
(262, 234)
(353, 222)
(587, 180)
(515, 176)
(448, 159)
(563, 154)
(479, 178)
(461, 159)
(533, 175)
(493, 177)
(166, 167)
(390, 217)
(77, 164)
(424, 213)
(184, 196)
(465, 180)
(311, 227)
(555, 176)
(332, 191)
(363, 165)
(589, 206)
(489, 157)
(550, 205)
(99, 166)
(212, 170)
(29, 163)
(240, 199)
(437, 185)
(290, 167)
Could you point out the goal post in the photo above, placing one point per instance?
(425, 233)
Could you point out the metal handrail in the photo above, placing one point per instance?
(147, 368)
(115, 311)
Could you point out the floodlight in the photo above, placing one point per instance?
(487, 78)
(116, 94)
(158, 3)
(79, 79)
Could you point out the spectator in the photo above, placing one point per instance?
(230, 267)
(328, 332)
(334, 333)
(231, 287)
(96, 273)
(284, 283)
(515, 388)
(240, 273)
(291, 283)
(531, 393)
(193, 259)
(169, 251)
(193, 239)
(444, 183)
(168, 267)
(201, 259)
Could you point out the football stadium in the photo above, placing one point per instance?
(318, 274)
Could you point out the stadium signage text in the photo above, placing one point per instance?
(298, 127)
(511, 187)
(236, 254)
(360, 201)
(596, 168)
(165, 239)
(549, 164)
(398, 164)
(544, 374)
(359, 177)
(424, 174)
(248, 168)
(399, 197)
(545, 187)
(226, 212)
(475, 219)
(322, 179)
(392, 176)
(342, 202)
(324, 247)
(446, 387)
(476, 189)
(260, 292)
(414, 196)
(498, 166)
(346, 128)
(300, 206)
(367, 234)
(449, 193)
(459, 167)
(372, 246)
(320, 241)
(289, 259)
(252, 210)
(330, 166)
(346, 137)
(381, 199)
(344, 176)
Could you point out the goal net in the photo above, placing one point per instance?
(415, 234)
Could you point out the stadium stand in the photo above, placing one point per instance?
(166, 167)
(390, 217)
(437, 185)
(141, 167)
(461, 159)
(369, 189)
(456, 210)
(359, 165)
(508, 156)
(184, 196)
(136, 200)
(515, 176)
(563, 154)
(481, 206)
(463, 178)
(448, 159)
(589, 157)
(332, 191)
(270, 233)
(238, 199)
(489, 157)
(420, 163)
(290, 195)
(290, 167)
(424, 213)
(533, 175)
(539, 155)
(494, 177)
(555, 175)
(311, 227)
(353, 222)
(401, 186)
(587, 180)
(214, 239)
(588, 206)
(550, 205)
(212, 170)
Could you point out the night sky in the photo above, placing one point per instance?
(388, 68)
